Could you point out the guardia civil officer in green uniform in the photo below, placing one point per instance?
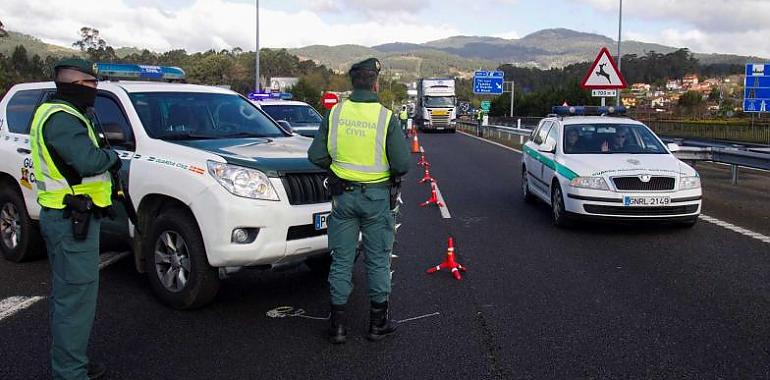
(74, 190)
(404, 117)
(360, 142)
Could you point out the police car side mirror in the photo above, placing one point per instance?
(286, 125)
(548, 147)
(673, 147)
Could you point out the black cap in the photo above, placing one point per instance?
(369, 64)
(78, 64)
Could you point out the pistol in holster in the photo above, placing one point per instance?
(79, 209)
(336, 185)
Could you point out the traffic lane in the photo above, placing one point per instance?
(746, 204)
(233, 338)
(600, 300)
(24, 279)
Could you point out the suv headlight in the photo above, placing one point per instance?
(686, 183)
(595, 183)
(243, 182)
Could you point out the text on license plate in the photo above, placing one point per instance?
(646, 201)
(320, 220)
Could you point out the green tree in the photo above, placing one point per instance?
(306, 92)
(94, 46)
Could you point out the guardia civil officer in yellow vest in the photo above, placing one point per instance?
(403, 116)
(74, 190)
(360, 142)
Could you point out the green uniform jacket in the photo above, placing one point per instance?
(395, 144)
(71, 148)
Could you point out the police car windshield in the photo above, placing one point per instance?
(294, 114)
(194, 116)
(609, 139)
(439, 101)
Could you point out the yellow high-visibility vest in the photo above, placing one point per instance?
(356, 141)
(51, 184)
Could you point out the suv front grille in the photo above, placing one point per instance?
(306, 188)
(636, 184)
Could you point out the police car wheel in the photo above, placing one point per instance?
(20, 238)
(176, 263)
(559, 214)
(526, 194)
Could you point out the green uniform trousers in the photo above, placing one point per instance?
(75, 285)
(366, 210)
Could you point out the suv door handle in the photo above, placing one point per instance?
(24, 151)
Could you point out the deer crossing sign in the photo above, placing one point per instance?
(603, 74)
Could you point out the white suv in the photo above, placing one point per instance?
(217, 185)
(604, 167)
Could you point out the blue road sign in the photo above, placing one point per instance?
(488, 82)
(756, 96)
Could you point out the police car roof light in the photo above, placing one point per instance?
(270, 95)
(587, 110)
(117, 71)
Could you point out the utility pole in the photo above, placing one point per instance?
(258, 84)
(513, 83)
(620, 58)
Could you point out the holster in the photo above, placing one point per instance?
(79, 209)
(335, 185)
(395, 191)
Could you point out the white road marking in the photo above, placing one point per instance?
(442, 206)
(489, 142)
(13, 305)
(732, 227)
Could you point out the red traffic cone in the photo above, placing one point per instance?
(449, 262)
(427, 177)
(415, 145)
(433, 197)
(423, 162)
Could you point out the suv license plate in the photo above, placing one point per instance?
(646, 201)
(320, 220)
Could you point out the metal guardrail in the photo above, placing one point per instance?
(735, 156)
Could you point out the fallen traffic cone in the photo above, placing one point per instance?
(415, 145)
(433, 197)
(423, 162)
(449, 262)
(427, 177)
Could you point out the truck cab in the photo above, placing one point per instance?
(437, 104)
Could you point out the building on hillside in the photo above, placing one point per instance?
(674, 85)
(629, 101)
(689, 81)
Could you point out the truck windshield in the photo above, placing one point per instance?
(439, 101)
(610, 138)
(194, 116)
(294, 114)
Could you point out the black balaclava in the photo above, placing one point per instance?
(82, 97)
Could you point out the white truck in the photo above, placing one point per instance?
(216, 183)
(436, 104)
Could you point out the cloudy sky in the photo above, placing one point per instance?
(719, 26)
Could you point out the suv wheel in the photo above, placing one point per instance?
(20, 238)
(176, 263)
(559, 214)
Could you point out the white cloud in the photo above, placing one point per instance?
(512, 35)
(204, 25)
(751, 43)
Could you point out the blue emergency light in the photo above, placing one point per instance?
(270, 95)
(117, 71)
(588, 110)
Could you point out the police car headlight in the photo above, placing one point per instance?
(686, 183)
(243, 182)
(595, 183)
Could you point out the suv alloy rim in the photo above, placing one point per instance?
(10, 226)
(172, 261)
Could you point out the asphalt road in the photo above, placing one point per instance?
(596, 301)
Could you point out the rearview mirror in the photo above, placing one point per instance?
(286, 125)
(673, 147)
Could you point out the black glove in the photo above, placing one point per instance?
(118, 163)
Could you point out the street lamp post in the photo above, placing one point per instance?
(513, 83)
(257, 85)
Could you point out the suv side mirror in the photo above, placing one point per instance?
(286, 125)
(673, 147)
(114, 134)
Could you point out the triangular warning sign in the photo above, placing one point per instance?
(604, 74)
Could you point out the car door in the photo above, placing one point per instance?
(530, 160)
(548, 150)
(16, 125)
(536, 170)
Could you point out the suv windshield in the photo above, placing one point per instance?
(294, 114)
(439, 101)
(192, 116)
(610, 138)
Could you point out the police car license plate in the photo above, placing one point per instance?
(320, 220)
(646, 201)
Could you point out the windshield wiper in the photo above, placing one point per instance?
(244, 134)
(187, 136)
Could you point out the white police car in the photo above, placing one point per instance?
(299, 116)
(217, 184)
(607, 167)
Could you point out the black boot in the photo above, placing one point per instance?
(95, 370)
(337, 332)
(380, 325)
